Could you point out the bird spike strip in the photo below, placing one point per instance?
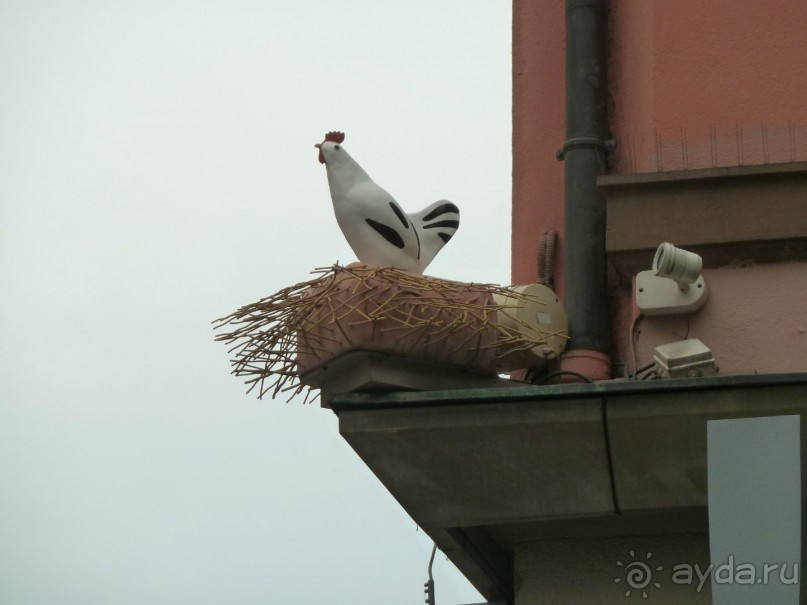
(266, 337)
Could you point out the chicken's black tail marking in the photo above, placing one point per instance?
(446, 225)
(451, 224)
(443, 208)
(435, 225)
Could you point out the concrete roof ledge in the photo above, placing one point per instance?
(479, 469)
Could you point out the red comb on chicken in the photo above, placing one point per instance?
(334, 137)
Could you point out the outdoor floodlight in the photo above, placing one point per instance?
(674, 285)
(677, 264)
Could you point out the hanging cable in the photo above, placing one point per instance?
(545, 268)
(634, 324)
(428, 587)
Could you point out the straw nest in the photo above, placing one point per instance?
(275, 341)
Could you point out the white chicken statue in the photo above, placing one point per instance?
(377, 229)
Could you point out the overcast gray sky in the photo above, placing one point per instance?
(157, 171)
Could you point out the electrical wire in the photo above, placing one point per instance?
(634, 324)
(644, 368)
(546, 259)
(428, 587)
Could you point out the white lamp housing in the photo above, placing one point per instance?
(674, 285)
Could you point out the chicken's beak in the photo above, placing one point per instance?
(318, 145)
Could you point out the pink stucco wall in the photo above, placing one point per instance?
(538, 130)
(699, 84)
(692, 84)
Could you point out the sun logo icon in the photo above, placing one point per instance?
(637, 575)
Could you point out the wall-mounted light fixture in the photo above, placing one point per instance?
(674, 285)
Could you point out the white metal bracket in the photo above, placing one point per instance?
(663, 296)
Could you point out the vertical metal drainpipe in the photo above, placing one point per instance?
(585, 285)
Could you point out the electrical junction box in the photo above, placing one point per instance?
(684, 359)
